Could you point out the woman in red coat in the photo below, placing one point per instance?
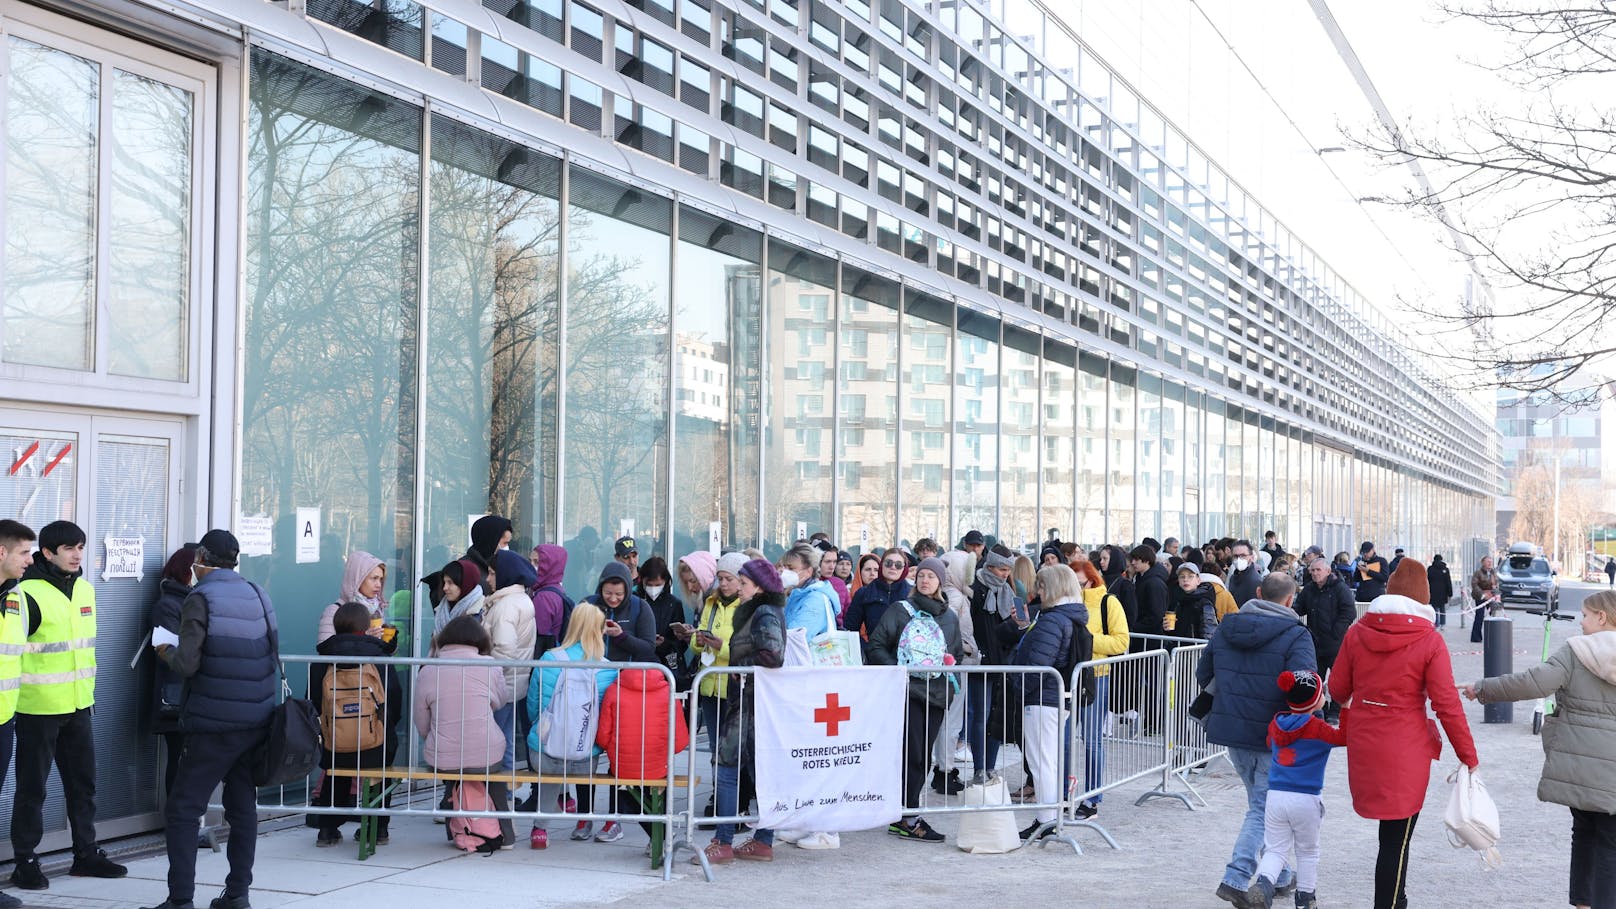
(1392, 660)
(633, 731)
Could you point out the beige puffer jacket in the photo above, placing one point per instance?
(508, 619)
(1579, 740)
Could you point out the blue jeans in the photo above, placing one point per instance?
(729, 797)
(1092, 716)
(1252, 768)
(505, 717)
(978, 701)
(708, 709)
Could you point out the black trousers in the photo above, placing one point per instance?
(1391, 865)
(919, 730)
(173, 744)
(208, 759)
(1593, 859)
(67, 740)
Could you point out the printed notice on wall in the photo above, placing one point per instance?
(256, 533)
(864, 538)
(125, 557)
(715, 537)
(308, 535)
(625, 527)
(802, 530)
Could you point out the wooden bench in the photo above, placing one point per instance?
(372, 796)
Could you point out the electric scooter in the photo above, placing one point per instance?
(1545, 705)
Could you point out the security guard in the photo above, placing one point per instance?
(16, 548)
(54, 705)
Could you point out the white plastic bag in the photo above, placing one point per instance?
(988, 832)
(1471, 816)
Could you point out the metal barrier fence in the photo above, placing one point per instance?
(469, 721)
(1134, 727)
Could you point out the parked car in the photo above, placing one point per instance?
(1525, 580)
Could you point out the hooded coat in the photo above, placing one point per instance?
(1245, 657)
(363, 648)
(637, 643)
(1195, 611)
(759, 640)
(360, 565)
(1579, 739)
(549, 606)
(454, 711)
(1328, 611)
(1242, 585)
(957, 593)
(486, 532)
(1151, 594)
(1392, 661)
(1046, 642)
(633, 727)
(1440, 580)
(508, 617)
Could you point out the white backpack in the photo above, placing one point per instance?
(1471, 816)
(567, 726)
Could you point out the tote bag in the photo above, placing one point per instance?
(987, 832)
(1471, 817)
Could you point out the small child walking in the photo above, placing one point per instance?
(1301, 744)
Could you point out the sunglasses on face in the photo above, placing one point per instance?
(895, 564)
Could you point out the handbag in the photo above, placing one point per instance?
(1471, 817)
(291, 750)
(987, 832)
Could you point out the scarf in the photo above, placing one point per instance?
(472, 598)
(359, 565)
(1001, 599)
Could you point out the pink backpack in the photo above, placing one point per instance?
(474, 833)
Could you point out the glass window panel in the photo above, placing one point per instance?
(150, 237)
(492, 323)
(1213, 509)
(1147, 497)
(976, 424)
(868, 386)
(614, 460)
(397, 25)
(1251, 468)
(928, 325)
(1059, 460)
(1172, 462)
(1122, 463)
(1018, 447)
(331, 212)
(52, 135)
(801, 384)
(1091, 455)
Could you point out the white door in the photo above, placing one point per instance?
(118, 478)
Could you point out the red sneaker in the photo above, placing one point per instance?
(754, 851)
(539, 838)
(717, 854)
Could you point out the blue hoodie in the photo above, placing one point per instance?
(1301, 744)
(812, 607)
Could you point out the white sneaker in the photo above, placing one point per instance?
(962, 753)
(820, 841)
(789, 836)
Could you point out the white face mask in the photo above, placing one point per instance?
(1241, 564)
(788, 579)
(655, 590)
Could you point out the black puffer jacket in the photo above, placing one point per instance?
(758, 639)
(1328, 611)
(165, 614)
(1152, 598)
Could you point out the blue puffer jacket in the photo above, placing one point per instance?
(1046, 642)
(1245, 657)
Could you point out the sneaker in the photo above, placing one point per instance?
(1229, 894)
(790, 836)
(583, 831)
(96, 864)
(919, 831)
(754, 851)
(946, 784)
(381, 836)
(1286, 885)
(539, 838)
(325, 839)
(1305, 900)
(1027, 832)
(1086, 810)
(717, 854)
(28, 874)
(610, 832)
(1260, 895)
(819, 841)
(569, 805)
(1024, 794)
(962, 752)
(229, 902)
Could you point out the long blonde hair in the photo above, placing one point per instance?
(587, 628)
(1025, 572)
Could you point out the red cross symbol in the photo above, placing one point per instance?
(833, 714)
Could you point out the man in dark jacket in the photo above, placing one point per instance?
(1372, 573)
(1441, 584)
(630, 623)
(1244, 658)
(1150, 586)
(1244, 575)
(1325, 603)
(227, 655)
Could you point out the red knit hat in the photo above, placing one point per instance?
(1304, 690)
(1409, 581)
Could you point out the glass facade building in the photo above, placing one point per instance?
(347, 275)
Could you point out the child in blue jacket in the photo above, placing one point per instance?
(1301, 744)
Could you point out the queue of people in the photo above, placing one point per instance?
(1283, 666)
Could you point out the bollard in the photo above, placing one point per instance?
(1498, 658)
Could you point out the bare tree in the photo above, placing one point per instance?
(1526, 195)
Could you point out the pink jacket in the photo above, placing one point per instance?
(454, 711)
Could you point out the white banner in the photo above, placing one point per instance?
(830, 747)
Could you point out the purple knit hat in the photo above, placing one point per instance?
(761, 573)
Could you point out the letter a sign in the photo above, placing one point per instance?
(308, 535)
(830, 747)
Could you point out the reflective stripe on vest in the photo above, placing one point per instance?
(13, 640)
(58, 665)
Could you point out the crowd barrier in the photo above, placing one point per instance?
(1135, 728)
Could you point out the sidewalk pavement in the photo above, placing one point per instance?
(1171, 858)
